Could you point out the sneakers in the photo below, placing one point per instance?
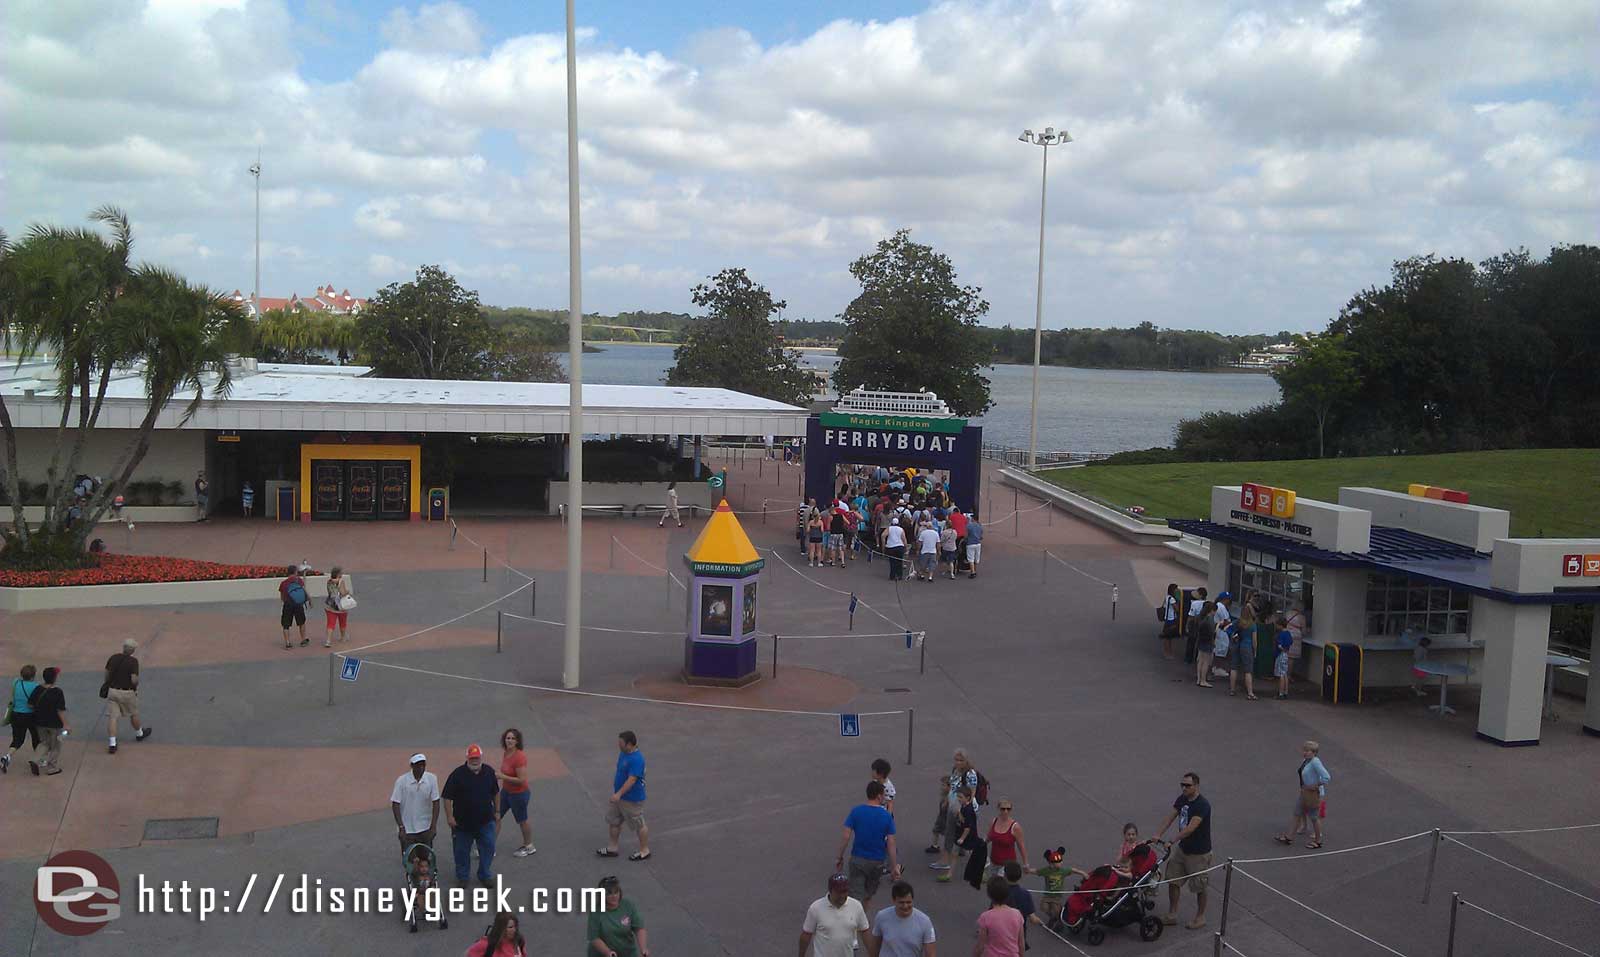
(931, 849)
(524, 851)
(943, 878)
(144, 732)
(111, 749)
(304, 642)
(5, 763)
(34, 767)
(939, 867)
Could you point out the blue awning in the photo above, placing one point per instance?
(1393, 551)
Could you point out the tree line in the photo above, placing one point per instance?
(1448, 356)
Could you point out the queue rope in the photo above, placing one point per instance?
(1332, 920)
(466, 614)
(860, 601)
(679, 634)
(1522, 927)
(611, 697)
(1342, 850)
(1519, 870)
(1525, 830)
(497, 558)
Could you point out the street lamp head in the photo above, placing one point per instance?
(1049, 132)
(1027, 136)
(255, 169)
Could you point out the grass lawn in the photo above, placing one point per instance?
(1551, 493)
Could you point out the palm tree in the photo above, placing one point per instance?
(73, 296)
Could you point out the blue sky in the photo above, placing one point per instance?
(1236, 166)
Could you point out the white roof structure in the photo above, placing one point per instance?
(308, 398)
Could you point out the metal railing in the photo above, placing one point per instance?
(1018, 457)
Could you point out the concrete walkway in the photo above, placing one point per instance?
(1072, 715)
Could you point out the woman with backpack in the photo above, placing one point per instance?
(1205, 637)
(1168, 613)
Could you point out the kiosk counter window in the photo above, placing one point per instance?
(1396, 603)
(1285, 582)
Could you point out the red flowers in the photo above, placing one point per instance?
(111, 569)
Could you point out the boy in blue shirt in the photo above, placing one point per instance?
(869, 837)
(1280, 664)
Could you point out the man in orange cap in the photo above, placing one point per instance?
(469, 808)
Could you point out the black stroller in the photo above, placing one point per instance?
(1123, 899)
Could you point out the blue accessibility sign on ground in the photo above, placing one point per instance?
(849, 726)
(352, 668)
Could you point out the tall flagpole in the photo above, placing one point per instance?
(572, 647)
(255, 295)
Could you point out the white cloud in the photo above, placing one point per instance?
(1234, 164)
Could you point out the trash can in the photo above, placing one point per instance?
(1341, 673)
(288, 503)
(437, 497)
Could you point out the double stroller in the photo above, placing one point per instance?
(1111, 898)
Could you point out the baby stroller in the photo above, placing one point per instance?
(422, 874)
(1123, 899)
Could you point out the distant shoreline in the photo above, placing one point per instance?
(833, 350)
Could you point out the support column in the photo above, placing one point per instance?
(1591, 705)
(697, 458)
(1515, 639)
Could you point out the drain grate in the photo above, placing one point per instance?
(180, 828)
(897, 690)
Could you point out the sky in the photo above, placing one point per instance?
(1242, 167)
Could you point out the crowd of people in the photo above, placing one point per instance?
(903, 515)
(1254, 640)
(37, 710)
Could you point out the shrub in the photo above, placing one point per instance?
(108, 569)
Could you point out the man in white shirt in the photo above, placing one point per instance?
(415, 803)
(927, 551)
(836, 924)
(894, 545)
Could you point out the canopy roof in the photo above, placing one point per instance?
(722, 547)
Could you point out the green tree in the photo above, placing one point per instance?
(914, 327)
(429, 328)
(1322, 378)
(300, 335)
(74, 296)
(735, 345)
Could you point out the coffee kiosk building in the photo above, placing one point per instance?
(1378, 568)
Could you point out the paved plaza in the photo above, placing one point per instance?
(1072, 715)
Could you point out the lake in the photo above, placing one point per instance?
(1091, 410)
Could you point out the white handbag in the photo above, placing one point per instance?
(347, 602)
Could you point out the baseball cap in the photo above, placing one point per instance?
(1226, 594)
(418, 758)
(473, 751)
(839, 882)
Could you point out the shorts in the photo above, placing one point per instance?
(927, 560)
(340, 619)
(1244, 655)
(516, 802)
(626, 812)
(293, 614)
(864, 877)
(836, 539)
(974, 552)
(123, 702)
(949, 558)
(1280, 665)
(1183, 869)
(814, 538)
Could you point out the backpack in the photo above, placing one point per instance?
(981, 794)
(1161, 612)
(297, 592)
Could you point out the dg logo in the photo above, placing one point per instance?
(76, 893)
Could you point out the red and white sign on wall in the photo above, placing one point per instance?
(1587, 566)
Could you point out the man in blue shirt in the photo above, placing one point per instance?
(627, 799)
(869, 837)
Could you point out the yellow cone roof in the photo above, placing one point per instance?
(723, 547)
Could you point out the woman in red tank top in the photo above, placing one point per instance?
(1005, 839)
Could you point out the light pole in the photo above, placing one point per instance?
(1050, 137)
(572, 646)
(255, 296)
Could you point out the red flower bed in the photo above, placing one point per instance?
(111, 569)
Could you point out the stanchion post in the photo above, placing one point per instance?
(922, 644)
(486, 565)
(332, 667)
(911, 731)
(499, 628)
(1113, 603)
(1227, 888)
(1450, 942)
(533, 598)
(774, 657)
(1433, 857)
(1216, 944)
